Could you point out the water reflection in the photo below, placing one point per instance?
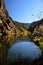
(5, 43)
(11, 47)
(25, 50)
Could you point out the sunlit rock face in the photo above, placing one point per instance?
(7, 25)
(23, 50)
(37, 30)
(10, 31)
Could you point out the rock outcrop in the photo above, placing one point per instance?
(7, 25)
(36, 29)
(9, 31)
(10, 27)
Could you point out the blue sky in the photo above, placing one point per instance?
(25, 11)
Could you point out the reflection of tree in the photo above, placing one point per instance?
(5, 44)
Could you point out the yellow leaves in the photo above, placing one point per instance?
(41, 45)
(10, 33)
(0, 21)
(25, 32)
(0, 35)
(41, 27)
(35, 39)
(38, 38)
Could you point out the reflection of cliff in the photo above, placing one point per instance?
(10, 31)
(5, 44)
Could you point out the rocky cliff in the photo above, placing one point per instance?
(10, 27)
(7, 25)
(36, 29)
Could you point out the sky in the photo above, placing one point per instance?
(25, 11)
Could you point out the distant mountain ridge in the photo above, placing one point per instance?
(25, 25)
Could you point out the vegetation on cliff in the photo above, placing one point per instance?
(7, 25)
(11, 30)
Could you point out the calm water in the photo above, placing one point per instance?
(11, 49)
(25, 49)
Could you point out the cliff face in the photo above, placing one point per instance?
(10, 27)
(36, 29)
(10, 30)
(7, 25)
